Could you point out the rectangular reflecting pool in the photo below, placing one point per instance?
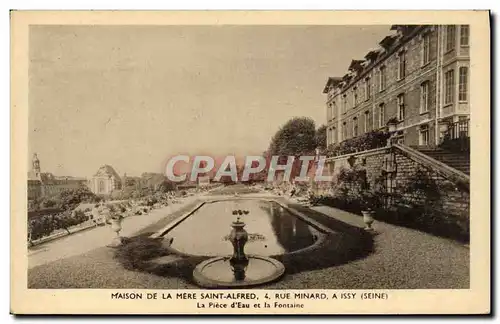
(272, 229)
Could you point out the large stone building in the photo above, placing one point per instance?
(419, 76)
(105, 181)
(45, 184)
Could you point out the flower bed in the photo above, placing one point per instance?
(47, 224)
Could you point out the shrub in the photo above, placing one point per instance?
(417, 203)
(136, 251)
(45, 225)
(367, 141)
(49, 203)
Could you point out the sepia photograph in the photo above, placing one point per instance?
(238, 164)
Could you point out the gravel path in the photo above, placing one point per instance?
(403, 259)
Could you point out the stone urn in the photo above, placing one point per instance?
(238, 238)
(116, 226)
(368, 219)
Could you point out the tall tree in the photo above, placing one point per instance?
(296, 137)
(321, 138)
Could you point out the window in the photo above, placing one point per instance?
(329, 112)
(426, 49)
(344, 103)
(462, 85)
(449, 80)
(424, 135)
(334, 135)
(450, 38)
(401, 65)
(381, 115)
(355, 93)
(101, 186)
(464, 35)
(382, 78)
(355, 127)
(367, 123)
(368, 88)
(344, 131)
(424, 97)
(334, 109)
(401, 107)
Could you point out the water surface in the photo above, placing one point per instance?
(272, 229)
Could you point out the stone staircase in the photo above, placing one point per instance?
(459, 161)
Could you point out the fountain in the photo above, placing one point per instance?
(239, 270)
(239, 237)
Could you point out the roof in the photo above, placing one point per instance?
(372, 55)
(69, 178)
(107, 170)
(49, 178)
(358, 69)
(387, 41)
(355, 65)
(332, 82)
(347, 77)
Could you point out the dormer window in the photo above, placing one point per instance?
(387, 42)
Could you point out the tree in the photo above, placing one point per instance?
(297, 137)
(152, 180)
(166, 186)
(321, 138)
(70, 198)
(49, 203)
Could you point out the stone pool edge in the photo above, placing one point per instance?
(322, 229)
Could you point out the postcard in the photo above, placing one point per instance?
(250, 162)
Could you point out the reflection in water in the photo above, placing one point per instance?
(292, 233)
(272, 230)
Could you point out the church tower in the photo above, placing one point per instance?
(36, 166)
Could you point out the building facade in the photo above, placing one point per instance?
(418, 77)
(45, 184)
(105, 181)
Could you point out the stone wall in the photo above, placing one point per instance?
(399, 172)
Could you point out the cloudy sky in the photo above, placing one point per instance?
(131, 96)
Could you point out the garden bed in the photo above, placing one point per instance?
(428, 220)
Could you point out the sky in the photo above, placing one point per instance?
(132, 96)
